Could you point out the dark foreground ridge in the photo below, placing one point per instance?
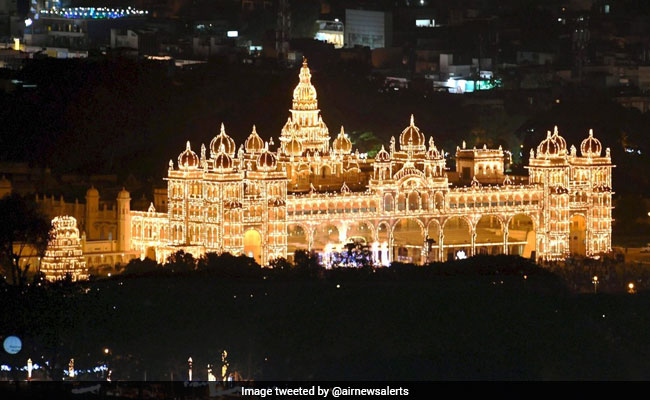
(482, 318)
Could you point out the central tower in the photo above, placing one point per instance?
(305, 124)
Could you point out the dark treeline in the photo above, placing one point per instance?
(481, 318)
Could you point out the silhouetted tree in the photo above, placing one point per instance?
(280, 264)
(306, 263)
(180, 262)
(228, 265)
(24, 233)
(137, 266)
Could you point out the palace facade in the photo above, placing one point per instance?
(316, 194)
(310, 192)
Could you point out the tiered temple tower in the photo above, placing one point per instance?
(64, 255)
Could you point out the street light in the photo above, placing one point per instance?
(595, 282)
(630, 288)
(106, 352)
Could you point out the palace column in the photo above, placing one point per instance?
(425, 250)
(310, 237)
(473, 236)
(505, 239)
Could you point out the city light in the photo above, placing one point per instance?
(94, 13)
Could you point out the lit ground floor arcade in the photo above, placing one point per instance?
(418, 240)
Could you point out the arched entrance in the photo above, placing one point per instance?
(489, 235)
(253, 245)
(381, 247)
(360, 231)
(151, 253)
(433, 241)
(457, 238)
(326, 241)
(297, 239)
(408, 240)
(521, 236)
(578, 236)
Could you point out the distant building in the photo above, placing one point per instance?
(143, 40)
(366, 28)
(80, 27)
(330, 32)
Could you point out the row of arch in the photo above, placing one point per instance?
(332, 206)
(410, 240)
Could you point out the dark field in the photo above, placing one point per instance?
(384, 325)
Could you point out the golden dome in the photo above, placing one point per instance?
(411, 138)
(342, 144)
(254, 143)
(382, 155)
(591, 147)
(266, 161)
(293, 147)
(188, 159)
(92, 192)
(304, 95)
(553, 146)
(432, 153)
(222, 161)
(222, 139)
(548, 147)
(123, 194)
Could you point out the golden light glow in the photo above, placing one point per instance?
(64, 254)
(317, 194)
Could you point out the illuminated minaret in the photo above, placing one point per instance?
(305, 119)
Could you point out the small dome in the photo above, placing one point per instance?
(432, 153)
(342, 144)
(591, 147)
(294, 147)
(549, 147)
(266, 161)
(254, 143)
(123, 194)
(223, 162)
(92, 192)
(411, 138)
(382, 155)
(222, 139)
(188, 159)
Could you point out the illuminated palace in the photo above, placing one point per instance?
(313, 193)
(316, 194)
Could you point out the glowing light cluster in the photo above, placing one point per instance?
(94, 13)
(64, 254)
(317, 194)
